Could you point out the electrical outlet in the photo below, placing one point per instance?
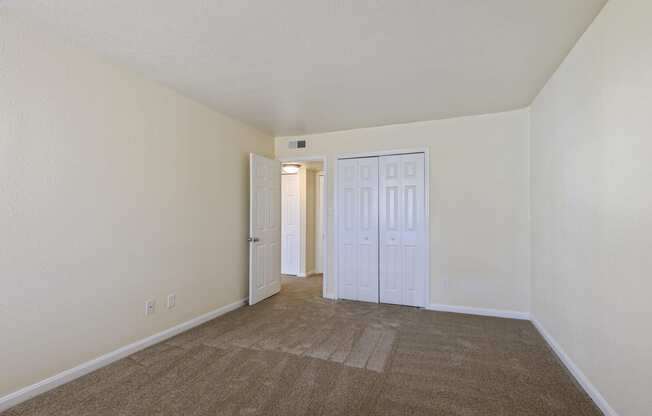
(172, 300)
(150, 307)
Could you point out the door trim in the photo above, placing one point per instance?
(377, 153)
(326, 271)
(321, 209)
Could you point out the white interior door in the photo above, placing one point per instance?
(319, 226)
(264, 228)
(358, 229)
(402, 230)
(290, 224)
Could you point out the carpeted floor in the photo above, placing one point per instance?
(299, 354)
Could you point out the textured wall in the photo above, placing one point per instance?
(113, 190)
(592, 205)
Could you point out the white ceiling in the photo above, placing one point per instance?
(307, 66)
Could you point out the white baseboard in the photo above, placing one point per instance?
(66, 376)
(583, 381)
(590, 389)
(498, 313)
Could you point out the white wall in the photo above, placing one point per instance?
(302, 221)
(479, 201)
(592, 205)
(113, 190)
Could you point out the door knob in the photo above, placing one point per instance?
(253, 239)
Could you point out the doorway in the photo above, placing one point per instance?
(303, 218)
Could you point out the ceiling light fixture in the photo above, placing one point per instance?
(290, 168)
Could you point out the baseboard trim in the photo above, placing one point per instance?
(581, 378)
(26, 393)
(497, 313)
(575, 371)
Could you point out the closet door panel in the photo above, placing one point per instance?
(402, 230)
(347, 232)
(390, 230)
(358, 229)
(368, 230)
(414, 230)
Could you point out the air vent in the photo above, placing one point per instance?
(297, 144)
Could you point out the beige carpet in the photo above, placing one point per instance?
(299, 354)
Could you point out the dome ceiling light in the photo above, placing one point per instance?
(290, 168)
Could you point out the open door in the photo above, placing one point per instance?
(264, 228)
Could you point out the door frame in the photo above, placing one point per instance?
(378, 153)
(324, 160)
(321, 209)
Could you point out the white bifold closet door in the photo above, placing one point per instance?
(358, 229)
(402, 230)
